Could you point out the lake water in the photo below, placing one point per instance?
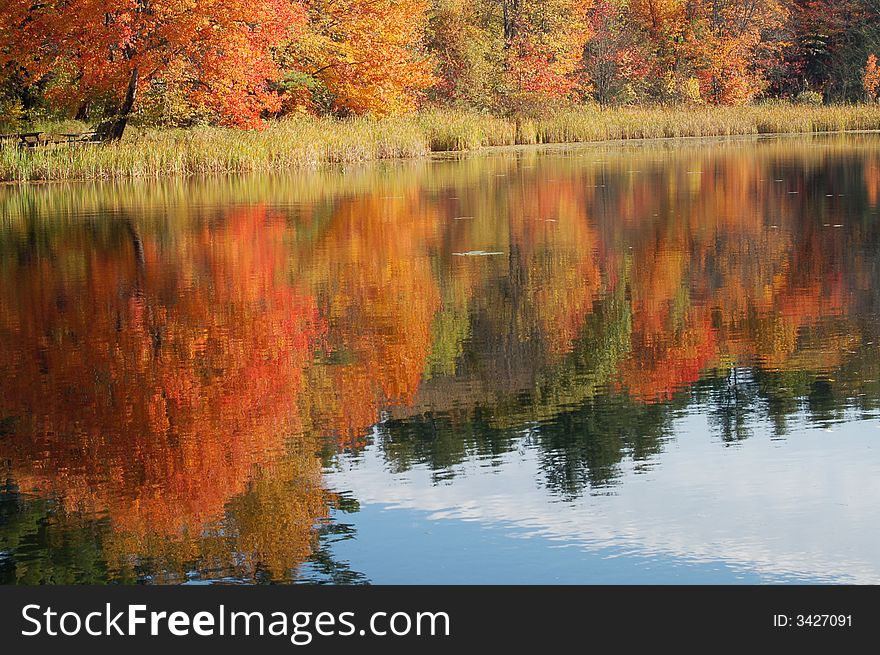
(615, 364)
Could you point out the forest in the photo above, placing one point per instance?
(240, 63)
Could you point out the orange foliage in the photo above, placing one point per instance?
(366, 53)
(545, 45)
(871, 175)
(560, 248)
(218, 51)
(722, 46)
(871, 77)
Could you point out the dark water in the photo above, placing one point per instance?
(656, 363)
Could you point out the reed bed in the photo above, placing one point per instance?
(305, 142)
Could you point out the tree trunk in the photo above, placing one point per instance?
(137, 245)
(510, 18)
(118, 127)
(84, 111)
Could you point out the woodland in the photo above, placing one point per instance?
(240, 63)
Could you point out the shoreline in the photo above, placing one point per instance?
(636, 142)
(303, 144)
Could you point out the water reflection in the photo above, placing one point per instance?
(153, 383)
(181, 360)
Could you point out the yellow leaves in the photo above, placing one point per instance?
(659, 16)
(367, 54)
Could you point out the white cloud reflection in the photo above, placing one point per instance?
(807, 506)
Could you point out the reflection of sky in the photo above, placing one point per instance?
(803, 508)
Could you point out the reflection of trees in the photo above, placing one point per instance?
(443, 441)
(161, 395)
(719, 281)
(325, 568)
(263, 534)
(377, 294)
(173, 375)
(583, 448)
(731, 404)
(60, 548)
(259, 539)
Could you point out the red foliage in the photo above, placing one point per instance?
(218, 51)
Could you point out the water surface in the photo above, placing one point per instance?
(624, 364)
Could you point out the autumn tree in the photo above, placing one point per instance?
(614, 61)
(709, 51)
(509, 54)
(545, 44)
(828, 44)
(663, 25)
(378, 295)
(359, 56)
(732, 43)
(218, 51)
(467, 49)
(871, 78)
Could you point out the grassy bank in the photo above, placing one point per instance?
(309, 142)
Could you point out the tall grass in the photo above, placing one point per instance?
(309, 142)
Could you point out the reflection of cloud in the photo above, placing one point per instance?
(803, 507)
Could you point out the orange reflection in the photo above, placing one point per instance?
(378, 296)
(154, 392)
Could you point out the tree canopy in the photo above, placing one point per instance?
(237, 62)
